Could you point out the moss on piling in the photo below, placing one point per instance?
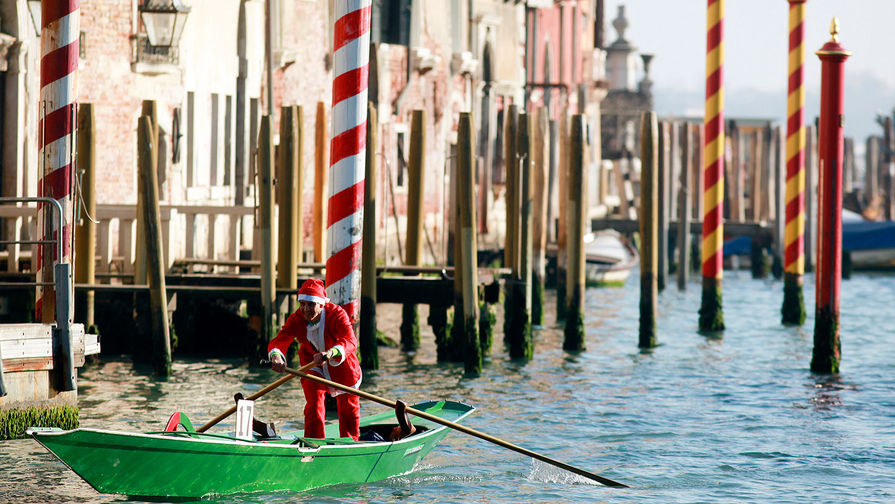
(487, 321)
(827, 346)
(473, 352)
(410, 327)
(793, 310)
(13, 422)
(711, 314)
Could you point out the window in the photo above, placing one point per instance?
(391, 21)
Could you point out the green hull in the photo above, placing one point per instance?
(194, 465)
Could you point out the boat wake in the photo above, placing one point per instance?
(547, 473)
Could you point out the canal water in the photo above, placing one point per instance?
(736, 417)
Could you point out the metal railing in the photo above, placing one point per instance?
(62, 276)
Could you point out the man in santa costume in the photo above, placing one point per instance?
(324, 335)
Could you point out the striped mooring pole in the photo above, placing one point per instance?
(711, 316)
(827, 350)
(59, 47)
(793, 309)
(345, 211)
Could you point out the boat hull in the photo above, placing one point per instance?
(165, 465)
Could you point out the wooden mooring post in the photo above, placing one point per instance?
(150, 110)
(289, 199)
(562, 231)
(85, 230)
(649, 227)
(416, 169)
(467, 262)
(369, 348)
(540, 151)
(827, 351)
(265, 193)
(662, 203)
(320, 168)
(158, 299)
(576, 212)
(684, 207)
(519, 315)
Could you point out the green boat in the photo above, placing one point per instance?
(186, 463)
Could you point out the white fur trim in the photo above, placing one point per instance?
(276, 351)
(313, 299)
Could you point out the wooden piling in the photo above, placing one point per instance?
(468, 247)
(369, 349)
(779, 176)
(649, 227)
(810, 196)
(662, 148)
(510, 250)
(320, 174)
(871, 169)
(416, 169)
(539, 167)
(827, 348)
(265, 223)
(684, 208)
(511, 122)
(887, 168)
(85, 230)
(574, 333)
(562, 224)
(158, 303)
(521, 346)
(289, 196)
(150, 110)
(738, 161)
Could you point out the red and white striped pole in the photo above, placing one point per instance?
(345, 212)
(60, 28)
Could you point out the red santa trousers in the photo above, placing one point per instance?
(315, 411)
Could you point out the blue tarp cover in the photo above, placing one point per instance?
(856, 235)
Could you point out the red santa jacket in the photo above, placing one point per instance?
(337, 332)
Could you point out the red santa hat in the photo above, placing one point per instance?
(312, 290)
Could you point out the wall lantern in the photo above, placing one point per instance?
(34, 8)
(164, 21)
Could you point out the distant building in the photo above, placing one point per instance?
(626, 99)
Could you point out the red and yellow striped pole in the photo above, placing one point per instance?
(711, 317)
(794, 246)
(60, 21)
(345, 212)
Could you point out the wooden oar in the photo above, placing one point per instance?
(254, 396)
(461, 428)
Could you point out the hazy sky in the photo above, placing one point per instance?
(756, 48)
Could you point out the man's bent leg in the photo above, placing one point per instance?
(315, 410)
(349, 415)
